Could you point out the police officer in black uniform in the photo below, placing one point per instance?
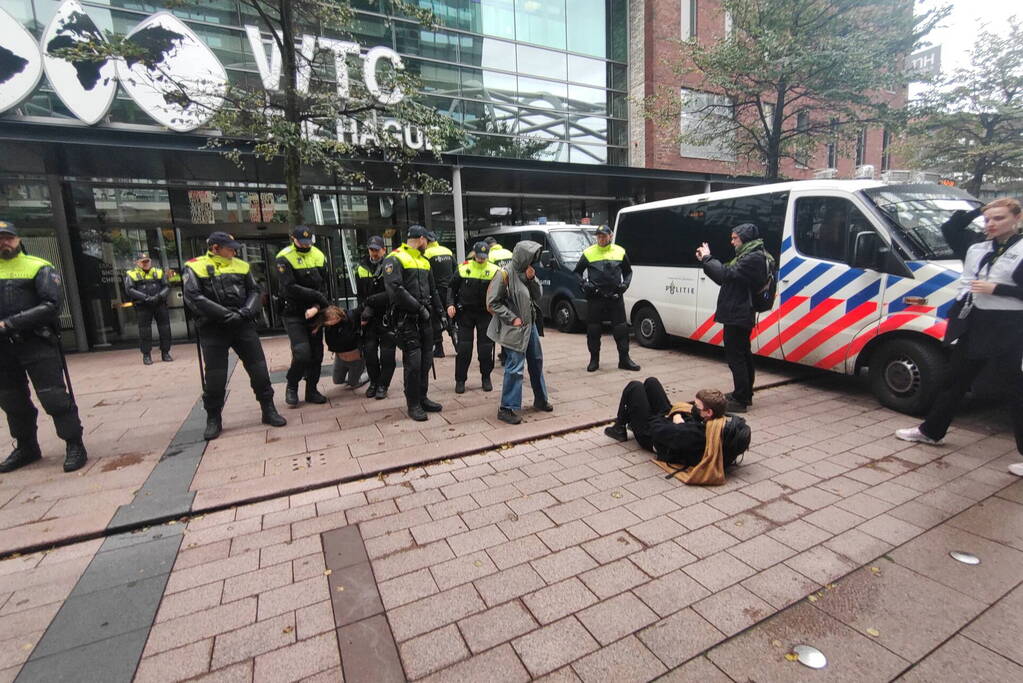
(467, 306)
(147, 289)
(607, 275)
(302, 274)
(442, 264)
(413, 296)
(30, 301)
(378, 341)
(223, 294)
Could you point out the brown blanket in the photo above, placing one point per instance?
(710, 471)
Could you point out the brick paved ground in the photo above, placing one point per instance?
(573, 556)
(131, 412)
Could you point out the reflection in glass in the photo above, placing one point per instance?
(587, 99)
(541, 22)
(587, 71)
(535, 92)
(588, 129)
(589, 154)
(533, 60)
(572, 243)
(488, 53)
(587, 27)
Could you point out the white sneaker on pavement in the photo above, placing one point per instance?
(914, 434)
(1016, 468)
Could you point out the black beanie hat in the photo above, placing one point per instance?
(747, 232)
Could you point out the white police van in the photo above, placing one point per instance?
(865, 280)
(563, 243)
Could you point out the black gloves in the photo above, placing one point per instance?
(232, 318)
(424, 313)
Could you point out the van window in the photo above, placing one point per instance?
(827, 226)
(571, 244)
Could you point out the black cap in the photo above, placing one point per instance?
(303, 235)
(491, 240)
(376, 242)
(416, 231)
(223, 239)
(6, 227)
(746, 232)
(142, 256)
(480, 249)
(604, 230)
(431, 235)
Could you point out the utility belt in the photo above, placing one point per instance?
(43, 333)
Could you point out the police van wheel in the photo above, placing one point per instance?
(649, 328)
(565, 318)
(905, 375)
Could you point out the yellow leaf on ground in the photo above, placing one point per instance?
(873, 632)
(792, 657)
(776, 643)
(328, 572)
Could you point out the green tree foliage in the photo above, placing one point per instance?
(796, 73)
(970, 124)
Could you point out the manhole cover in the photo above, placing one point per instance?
(810, 656)
(965, 558)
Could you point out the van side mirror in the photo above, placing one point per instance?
(867, 251)
(546, 258)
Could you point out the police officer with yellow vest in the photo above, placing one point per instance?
(467, 306)
(497, 254)
(442, 264)
(223, 294)
(377, 327)
(302, 274)
(30, 301)
(147, 289)
(605, 273)
(413, 296)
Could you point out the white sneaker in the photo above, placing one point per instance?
(914, 434)
(1016, 468)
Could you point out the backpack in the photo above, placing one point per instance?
(735, 440)
(763, 298)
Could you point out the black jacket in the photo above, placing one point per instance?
(737, 281)
(214, 289)
(345, 335)
(469, 285)
(607, 270)
(369, 285)
(303, 279)
(30, 294)
(409, 281)
(680, 444)
(148, 288)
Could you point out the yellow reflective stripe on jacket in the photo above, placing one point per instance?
(221, 266)
(362, 271)
(498, 253)
(478, 271)
(314, 258)
(137, 274)
(22, 267)
(410, 258)
(611, 252)
(435, 249)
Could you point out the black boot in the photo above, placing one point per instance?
(381, 392)
(291, 395)
(438, 351)
(76, 456)
(22, 455)
(313, 395)
(459, 387)
(617, 432)
(214, 426)
(431, 406)
(417, 413)
(166, 357)
(626, 363)
(621, 335)
(594, 363)
(147, 359)
(372, 391)
(270, 415)
(487, 386)
(508, 415)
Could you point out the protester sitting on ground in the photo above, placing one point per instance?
(341, 333)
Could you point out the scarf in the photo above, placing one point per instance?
(746, 248)
(710, 471)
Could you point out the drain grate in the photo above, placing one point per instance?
(307, 461)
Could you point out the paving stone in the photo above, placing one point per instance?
(761, 552)
(998, 627)
(662, 558)
(563, 564)
(314, 619)
(497, 625)
(857, 546)
(175, 665)
(610, 548)
(616, 617)
(680, 637)
(462, 570)
(253, 583)
(368, 652)
(436, 530)
(296, 661)
(833, 519)
(432, 651)
(477, 539)
(201, 625)
(407, 588)
(559, 600)
(613, 578)
(285, 552)
(433, 612)
(624, 661)
(353, 594)
(410, 560)
(820, 564)
(255, 639)
(652, 507)
(962, 659)
(524, 524)
(706, 541)
(183, 579)
(553, 646)
(799, 535)
(779, 586)
(565, 535)
(733, 609)
(500, 665)
(697, 669)
(509, 584)
(518, 551)
(99, 661)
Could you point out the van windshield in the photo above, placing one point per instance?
(571, 243)
(917, 212)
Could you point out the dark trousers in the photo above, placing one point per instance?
(599, 310)
(468, 323)
(39, 360)
(216, 340)
(378, 352)
(739, 356)
(640, 401)
(438, 330)
(963, 371)
(415, 337)
(145, 315)
(306, 351)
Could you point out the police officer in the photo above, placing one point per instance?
(604, 273)
(147, 289)
(302, 273)
(222, 292)
(30, 301)
(467, 305)
(442, 263)
(413, 296)
(377, 328)
(497, 254)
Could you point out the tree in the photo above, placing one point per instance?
(970, 125)
(307, 108)
(792, 74)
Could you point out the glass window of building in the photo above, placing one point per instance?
(487, 53)
(541, 22)
(546, 63)
(587, 71)
(707, 115)
(587, 29)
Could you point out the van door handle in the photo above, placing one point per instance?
(785, 281)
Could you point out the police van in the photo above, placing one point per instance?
(562, 245)
(865, 276)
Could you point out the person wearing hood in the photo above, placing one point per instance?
(513, 298)
(738, 279)
(378, 343)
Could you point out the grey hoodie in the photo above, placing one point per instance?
(509, 297)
